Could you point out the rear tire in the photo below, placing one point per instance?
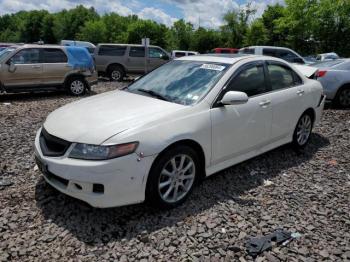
(76, 86)
(342, 99)
(116, 73)
(303, 131)
(172, 177)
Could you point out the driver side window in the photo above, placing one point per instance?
(250, 81)
(155, 53)
(26, 56)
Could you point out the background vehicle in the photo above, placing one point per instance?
(224, 50)
(154, 140)
(335, 79)
(41, 67)
(180, 53)
(280, 52)
(117, 60)
(309, 60)
(327, 56)
(89, 46)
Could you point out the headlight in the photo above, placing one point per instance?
(94, 152)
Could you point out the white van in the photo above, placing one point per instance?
(280, 52)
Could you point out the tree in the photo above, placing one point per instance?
(205, 40)
(256, 34)
(93, 31)
(180, 35)
(269, 19)
(147, 28)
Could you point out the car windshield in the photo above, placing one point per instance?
(5, 52)
(182, 82)
(328, 63)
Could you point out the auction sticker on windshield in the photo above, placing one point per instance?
(213, 67)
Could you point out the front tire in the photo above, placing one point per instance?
(303, 131)
(76, 86)
(172, 177)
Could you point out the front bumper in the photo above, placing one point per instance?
(108, 183)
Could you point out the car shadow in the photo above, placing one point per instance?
(94, 226)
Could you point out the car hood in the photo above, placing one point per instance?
(93, 120)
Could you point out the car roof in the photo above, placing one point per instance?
(39, 46)
(266, 46)
(125, 45)
(221, 58)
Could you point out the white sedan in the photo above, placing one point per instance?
(171, 128)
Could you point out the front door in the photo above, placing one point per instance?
(239, 129)
(156, 58)
(24, 69)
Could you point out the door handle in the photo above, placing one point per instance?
(36, 66)
(300, 92)
(264, 103)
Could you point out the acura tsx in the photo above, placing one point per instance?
(188, 119)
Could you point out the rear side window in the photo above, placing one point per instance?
(270, 52)
(282, 77)
(111, 50)
(180, 54)
(250, 81)
(191, 54)
(137, 51)
(53, 55)
(27, 56)
(249, 51)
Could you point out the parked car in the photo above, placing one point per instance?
(335, 78)
(279, 52)
(327, 56)
(186, 120)
(309, 60)
(117, 60)
(43, 67)
(224, 50)
(89, 46)
(180, 53)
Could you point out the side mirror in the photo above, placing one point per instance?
(164, 57)
(12, 67)
(234, 98)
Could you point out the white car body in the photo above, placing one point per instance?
(226, 135)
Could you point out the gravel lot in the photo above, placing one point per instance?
(309, 194)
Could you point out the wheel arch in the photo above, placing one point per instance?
(312, 112)
(70, 76)
(192, 144)
(115, 64)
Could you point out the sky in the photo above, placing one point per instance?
(207, 13)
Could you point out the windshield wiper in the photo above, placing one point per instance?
(152, 93)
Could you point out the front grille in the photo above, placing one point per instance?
(51, 145)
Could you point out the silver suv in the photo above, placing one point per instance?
(116, 60)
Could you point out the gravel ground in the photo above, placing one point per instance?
(309, 193)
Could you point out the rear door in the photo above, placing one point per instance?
(136, 60)
(55, 66)
(287, 98)
(26, 69)
(156, 57)
(109, 54)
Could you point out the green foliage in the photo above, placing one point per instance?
(307, 26)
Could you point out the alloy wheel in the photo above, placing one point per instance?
(77, 87)
(304, 129)
(115, 75)
(176, 178)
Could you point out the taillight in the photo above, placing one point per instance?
(321, 73)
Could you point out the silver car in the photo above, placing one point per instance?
(335, 79)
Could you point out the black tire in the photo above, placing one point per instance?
(116, 73)
(155, 195)
(303, 130)
(342, 99)
(76, 85)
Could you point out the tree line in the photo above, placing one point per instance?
(307, 26)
